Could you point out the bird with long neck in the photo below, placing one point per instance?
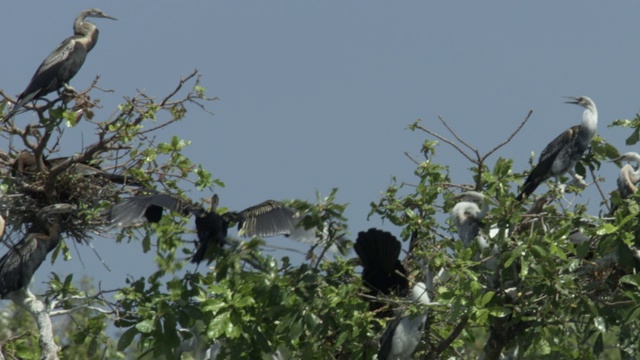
(402, 336)
(19, 264)
(563, 153)
(467, 217)
(629, 175)
(63, 63)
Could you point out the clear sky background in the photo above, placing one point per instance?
(318, 94)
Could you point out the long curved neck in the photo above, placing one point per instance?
(590, 121)
(87, 31)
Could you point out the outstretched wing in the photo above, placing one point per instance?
(137, 210)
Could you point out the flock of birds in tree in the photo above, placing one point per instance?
(378, 251)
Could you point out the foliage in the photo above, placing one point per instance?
(548, 297)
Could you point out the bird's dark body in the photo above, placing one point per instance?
(57, 69)
(563, 153)
(383, 272)
(19, 264)
(64, 62)
(268, 218)
(212, 234)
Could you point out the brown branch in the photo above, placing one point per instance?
(442, 138)
(457, 137)
(444, 344)
(513, 134)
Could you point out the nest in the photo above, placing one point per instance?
(27, 196)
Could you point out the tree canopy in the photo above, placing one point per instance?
(549, 295)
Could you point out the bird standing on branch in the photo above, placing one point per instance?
(562, 154)
(629, 175)
(63, 63)
(402, 336)
(382, 272)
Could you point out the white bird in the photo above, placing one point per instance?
(467, 217)
(402, 336)
(562, 154)
(629, 175)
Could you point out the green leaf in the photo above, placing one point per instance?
(484, 299)
(145, 326)
(607, 229)
(631, 280)
(126, 338)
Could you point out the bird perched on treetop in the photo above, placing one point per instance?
(383, 272)
(562, 154)
(629, 175)
(64, 62)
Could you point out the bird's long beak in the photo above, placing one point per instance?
(109, 17)
(574, 100)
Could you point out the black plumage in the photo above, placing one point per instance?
(383, 272)
(19, 264)
(137, 210)
(269, 218)
(64, 62)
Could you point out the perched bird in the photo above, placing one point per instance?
(269, 218)
(27, 165)
(402, 336)
(64, 62)
(629, 175)
(562, 154)
(467, 217)
(382, 272)
(19, 264)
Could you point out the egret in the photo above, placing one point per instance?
(629, 175)
(402, 336)
(562, 154)
(383, 272)
(19, 264)
(64, 62)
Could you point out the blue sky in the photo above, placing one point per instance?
(316, 95)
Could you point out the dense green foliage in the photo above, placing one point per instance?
(550, 298)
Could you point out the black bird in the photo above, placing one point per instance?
(269, 218)
(137, 210)
(383, 272)
(64, 62)
(27, 165)
(19, 264)
(562, 154)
